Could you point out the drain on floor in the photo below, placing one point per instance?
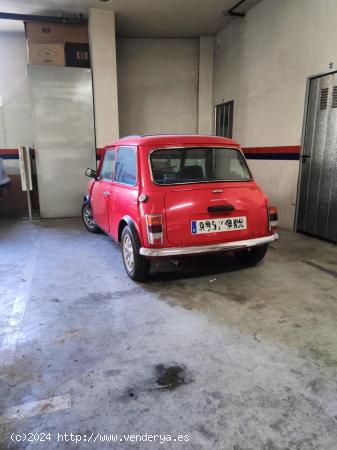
(131, 394)
(170, 377)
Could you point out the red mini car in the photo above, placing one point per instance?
(175, 195)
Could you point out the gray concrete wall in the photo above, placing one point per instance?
(205, 109)
(262, 63)
(15, 115)
(158, 85)
(15, 118)
(102, 39)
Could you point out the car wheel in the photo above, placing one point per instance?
(88, 220)
(252, 256)
(136, 266)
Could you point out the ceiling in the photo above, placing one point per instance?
(138, 18)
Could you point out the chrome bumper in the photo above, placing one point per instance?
(227, 246)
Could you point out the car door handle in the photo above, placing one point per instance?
(217, 208)
(106, 194)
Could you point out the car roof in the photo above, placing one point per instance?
(174, 139)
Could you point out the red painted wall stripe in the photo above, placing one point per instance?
(12, 151)
(275, 149)
(9, 151)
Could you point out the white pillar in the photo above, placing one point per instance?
(205, 92)
(102, 39)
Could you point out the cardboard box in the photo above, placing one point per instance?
(77, 55)
(53, 33)
(52, 54)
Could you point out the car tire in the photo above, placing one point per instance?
(136, 266)
(252, 256)
(88, 220)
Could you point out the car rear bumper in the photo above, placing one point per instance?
(227, 246)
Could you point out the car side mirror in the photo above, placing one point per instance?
(91, 173)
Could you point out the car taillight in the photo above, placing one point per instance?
(154, 225)
(273, 218)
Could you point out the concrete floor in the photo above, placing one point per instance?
(235, 358)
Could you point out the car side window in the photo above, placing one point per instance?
(108, 166)
(126, 166)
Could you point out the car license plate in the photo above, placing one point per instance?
(218, 225)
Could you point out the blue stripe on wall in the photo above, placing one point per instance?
(274, 156)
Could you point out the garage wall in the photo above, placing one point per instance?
(15, 125)
(102, 41)
(262, 63)
(15, 119)
(157, 85)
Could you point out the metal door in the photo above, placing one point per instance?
(224, 119)
(317, 206)
(63, 128)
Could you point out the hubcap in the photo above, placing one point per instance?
(128, 253)
(87, 216)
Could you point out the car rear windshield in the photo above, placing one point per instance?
(197, 165)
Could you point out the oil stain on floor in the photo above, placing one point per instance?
(170, 377)
(166, 378)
